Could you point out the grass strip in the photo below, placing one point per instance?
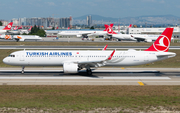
(82, 43)
(89, 97)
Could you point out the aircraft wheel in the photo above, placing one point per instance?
(89, 72)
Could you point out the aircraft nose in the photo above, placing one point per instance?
(5, 60)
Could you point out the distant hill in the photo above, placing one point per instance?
(97, 17)
(150, 19)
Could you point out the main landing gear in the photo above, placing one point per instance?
(88, 71)
(22, 69)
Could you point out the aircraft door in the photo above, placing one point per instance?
(146, 58)
(22, 57)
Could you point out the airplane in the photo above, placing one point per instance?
(120, 36)
(133, 37)
(20, 37)
(84, 34)
(75, 60)
(27, 31)
(7, 28)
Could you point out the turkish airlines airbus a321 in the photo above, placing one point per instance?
(75, 60)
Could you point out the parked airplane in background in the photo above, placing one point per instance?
(7, 28)
(144, 37)
(20, 37)
(84, 34)
(75, 60)
(118, 37)
(134, 37)
(26, 31)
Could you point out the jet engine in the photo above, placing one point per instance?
(148, 40)
(21, 40)
(70, 67)
(79, 36)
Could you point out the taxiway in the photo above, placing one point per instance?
(101, 76)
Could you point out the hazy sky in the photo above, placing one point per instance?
(108, 8)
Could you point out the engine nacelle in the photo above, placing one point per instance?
(21, 40)
(148, 40)
(70, 67)
(79, 36)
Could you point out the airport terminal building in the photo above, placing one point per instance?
(153, 31)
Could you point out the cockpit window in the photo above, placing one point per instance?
(11, 56)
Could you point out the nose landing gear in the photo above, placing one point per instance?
(22, 69)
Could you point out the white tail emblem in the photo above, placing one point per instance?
(109, 29)
(9, 26)
(161, 42)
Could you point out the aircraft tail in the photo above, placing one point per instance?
(15, 28)
(130, 26)
(110, 31)
(8, 27)
(30, 28)
(163, 41)
(107, 26)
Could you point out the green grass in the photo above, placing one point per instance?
(83, 43)
(89, 97)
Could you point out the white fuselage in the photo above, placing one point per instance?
(146, 37)
(123, 36)
(3, 31)
(80, 33)
(58, 58)
(20, 37)
(28, 37)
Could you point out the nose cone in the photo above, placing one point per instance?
(5, 60)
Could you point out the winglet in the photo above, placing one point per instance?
(104, 48)
(110, 57)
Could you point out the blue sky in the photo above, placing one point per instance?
(108, 8)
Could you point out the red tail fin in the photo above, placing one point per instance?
(15, 28)
(8, 27)
(107, 27)
(163, 41)
(110, 31)
(111, 25)
(130, 26)
(30, 28)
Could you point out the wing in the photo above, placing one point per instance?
(86, 34)
(97, 63)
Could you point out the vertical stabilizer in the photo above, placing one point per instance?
(163, 41)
